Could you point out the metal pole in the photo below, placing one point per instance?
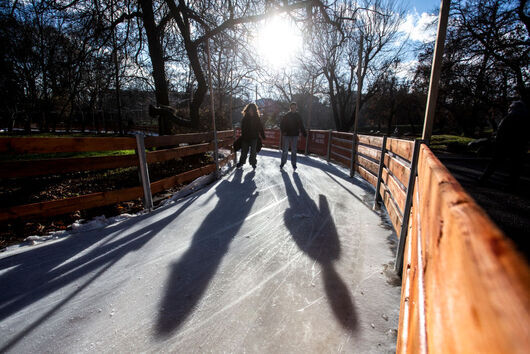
(435, 71)
(408, 203)
(230, 113)
(357, 104)
(307, 141)
(380, 174)
(212, 109)
(144, 172)
(328, 156)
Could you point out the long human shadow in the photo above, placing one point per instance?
(191, 274)
(327, 167)
(313, 229)
(35, 274)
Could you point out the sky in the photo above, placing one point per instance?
(423, 5)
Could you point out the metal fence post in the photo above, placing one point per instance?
(328, 156)
(144, 172)
(408, 203)
(307, 141)
(353, 153)
(235, 152)
(380, 174)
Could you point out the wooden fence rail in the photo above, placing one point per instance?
(195, 144)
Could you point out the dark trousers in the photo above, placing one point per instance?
(245, 146)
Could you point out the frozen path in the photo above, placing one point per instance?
(260, 262)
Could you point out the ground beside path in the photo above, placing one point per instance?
(264, 261)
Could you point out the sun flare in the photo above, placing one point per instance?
(278, 42)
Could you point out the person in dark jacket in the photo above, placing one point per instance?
(291, 126)
(251, 130)
(510, 143)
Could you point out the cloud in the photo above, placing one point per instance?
(417, 27)
(406, 69)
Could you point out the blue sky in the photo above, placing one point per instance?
(422, 5)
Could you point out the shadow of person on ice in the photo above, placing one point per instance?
(191, 274)
(313, 229)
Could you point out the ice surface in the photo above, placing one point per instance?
(258, 261)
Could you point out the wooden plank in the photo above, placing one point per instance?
(373, 153)
(366, 175)
(399, 169)
(181, 178)
(223, 134)
(168, 154)
(375, 141)
(398, 194)
(340, 159)
(17, 169)
(403, 148)
(63, 206)
(343, 135)
(55, 145)
(68, 205)
(368, 164)
(346, 144)
(341, 150)
(169, 140)
(476, 285)
(393, 211)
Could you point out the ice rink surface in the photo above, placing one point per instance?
(260, 261)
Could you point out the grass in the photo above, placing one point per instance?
(27, 157)
(450, 143)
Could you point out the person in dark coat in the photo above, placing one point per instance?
(291, 125)
(251, 130)
(510, 143)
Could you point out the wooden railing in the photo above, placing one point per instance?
(197, 143)
(465, 289)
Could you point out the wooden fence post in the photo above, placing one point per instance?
(144, 172)
(307, 141)
(408, 203)
(380, 174)
(328, 157)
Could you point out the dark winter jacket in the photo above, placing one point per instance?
(291, 124)
(251, 128)
(513, 129)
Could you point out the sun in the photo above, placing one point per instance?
(278, 42)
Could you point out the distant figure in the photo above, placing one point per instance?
(510, 143)
(251, 130)
(291, 126)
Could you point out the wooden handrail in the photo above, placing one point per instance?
(465, 288)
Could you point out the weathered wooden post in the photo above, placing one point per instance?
(144, 172)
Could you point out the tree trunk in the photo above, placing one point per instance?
(157, 61)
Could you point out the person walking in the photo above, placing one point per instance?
(291, 125)
(510, 143)
(251, 130)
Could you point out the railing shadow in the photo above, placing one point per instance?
(35, 274)
(313, 229)
(191, 274)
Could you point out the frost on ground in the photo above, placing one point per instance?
(257, 261)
